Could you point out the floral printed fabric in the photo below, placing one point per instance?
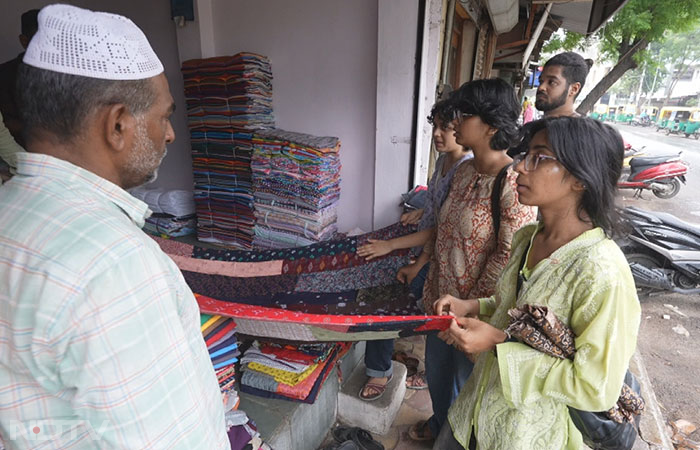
(466, 256)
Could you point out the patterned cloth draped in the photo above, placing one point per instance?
(540, 328)
(321, 292)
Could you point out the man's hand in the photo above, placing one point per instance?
(471, 335)
(448, 304)
(374, 249)
(411, 217)
(406, 274)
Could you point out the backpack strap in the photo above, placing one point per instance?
(496, 199)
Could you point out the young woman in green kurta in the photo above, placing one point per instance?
(517, 397)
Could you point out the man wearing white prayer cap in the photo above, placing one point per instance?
(100, 341)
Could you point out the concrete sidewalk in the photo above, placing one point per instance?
(416, 406)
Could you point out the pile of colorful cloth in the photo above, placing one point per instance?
(220, 336)
(296, 185)
(289, 372)
(173, 211)
(227, 98)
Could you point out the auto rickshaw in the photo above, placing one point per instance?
(692, 126)
(677, 119)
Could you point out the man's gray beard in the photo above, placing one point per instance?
(143, 157)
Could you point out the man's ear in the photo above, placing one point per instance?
(24, 41)
(574, 89)
(119, 127)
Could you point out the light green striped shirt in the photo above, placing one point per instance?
(100, 345)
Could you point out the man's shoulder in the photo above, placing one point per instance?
(76, 232)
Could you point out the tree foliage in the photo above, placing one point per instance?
(625, 38)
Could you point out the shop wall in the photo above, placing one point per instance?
(176, 171)
(324, 61)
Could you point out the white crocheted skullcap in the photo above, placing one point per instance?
(93, 44)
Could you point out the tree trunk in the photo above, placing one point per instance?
(625, 63)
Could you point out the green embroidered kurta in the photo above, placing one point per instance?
(519, 399)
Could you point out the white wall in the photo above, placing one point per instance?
(324, 62)
(176, 171)
(396, 66)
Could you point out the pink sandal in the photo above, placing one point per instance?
(374, 390)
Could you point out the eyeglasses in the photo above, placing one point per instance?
(461, 117)
(532, 160)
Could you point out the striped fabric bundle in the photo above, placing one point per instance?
(296, 179)
(220, 336)
(227, 97)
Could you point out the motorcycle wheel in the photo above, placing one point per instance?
(670, 189)
(668, 131)
(648, 261)
(683, 281)
(696, 135)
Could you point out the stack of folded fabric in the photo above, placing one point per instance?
(296, 181)
(173, 211)
(227, 97)
(288, 372)
(220, 336)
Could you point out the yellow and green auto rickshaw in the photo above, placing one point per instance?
(625, 113)
(672, 118)
(692, 126)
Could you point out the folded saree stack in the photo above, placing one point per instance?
(220, 337)
(228, 98)
(289, 372)
(296, 180)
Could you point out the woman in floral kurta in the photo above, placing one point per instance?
(465, 254)
(517, 397)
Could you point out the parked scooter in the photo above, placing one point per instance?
(643, 121)
(663, 251)
(661, 174)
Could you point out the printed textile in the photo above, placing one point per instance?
(272, 292)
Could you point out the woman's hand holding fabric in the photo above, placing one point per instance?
(472, 336)
(374, 249)
(448, 304)
(411, 217)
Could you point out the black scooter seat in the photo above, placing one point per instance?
(651, 160)
(667, 219)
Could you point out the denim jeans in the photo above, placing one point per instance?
(378, 353)
(446, 370)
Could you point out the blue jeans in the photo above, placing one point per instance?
(378, 353)
(446, 370)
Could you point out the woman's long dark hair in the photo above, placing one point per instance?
(495, 102)
(591, 152)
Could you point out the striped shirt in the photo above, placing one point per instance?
(100, 345)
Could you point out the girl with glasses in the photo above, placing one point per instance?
(518, 397)
(466, 254)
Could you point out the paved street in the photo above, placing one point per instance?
(671, 360)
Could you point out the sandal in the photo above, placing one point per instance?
(417, 381)
(362, 439)
(374, 390)
(404, 358)
(421, 431)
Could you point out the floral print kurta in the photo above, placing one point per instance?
(467, 257)
(518, 400)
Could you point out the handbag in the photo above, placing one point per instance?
(602, 433)
(599, 431)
